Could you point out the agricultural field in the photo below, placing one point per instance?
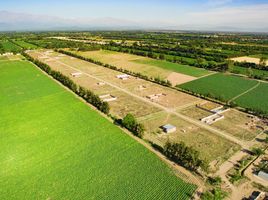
(66, 150)
(147, 66)
(25, 45)
(256, 99)
(220, 86)
(8, 46)
(249, 94)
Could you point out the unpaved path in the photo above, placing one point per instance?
(222, 172)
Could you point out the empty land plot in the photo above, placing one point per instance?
(256, 99)
(147, 66)
(239, 124)
(66, 150)
(195, 112)
(169, 97)
(220, 86)
(175, 67)
(247, 59)
(211, 146)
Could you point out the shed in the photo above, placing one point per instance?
(123, 76)
(168, 128)
(263, 175)
(76, 74)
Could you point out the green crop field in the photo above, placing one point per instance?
(9, 46)
(256, 99)
(184, 69)
(53, 146)
(220, 86)
(25, 45)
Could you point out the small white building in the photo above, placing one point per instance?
(168, 128)
(76, 74)
(123, 76)
(107, 97)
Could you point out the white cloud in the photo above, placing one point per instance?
(245, 17)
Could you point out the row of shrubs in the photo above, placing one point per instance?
(130, 123)
(89, 96)
(139, 75)
(183, 155)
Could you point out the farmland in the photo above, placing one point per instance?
(64, 149)
(132, 98)
(220, 86)
(24, 44)
(8, 46)
(146, 66)
(246, 71)
(255, 99)
(56, 146)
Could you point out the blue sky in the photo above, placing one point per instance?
(201, 13)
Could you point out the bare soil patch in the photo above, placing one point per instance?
(248, 59)
(177, 78)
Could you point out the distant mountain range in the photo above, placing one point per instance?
(11, 21)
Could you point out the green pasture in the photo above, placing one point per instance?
(54, 146)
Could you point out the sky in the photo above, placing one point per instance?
(177, 14)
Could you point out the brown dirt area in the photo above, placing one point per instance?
(213, 147)
(239, 124)
(177, 78)
(248, 59)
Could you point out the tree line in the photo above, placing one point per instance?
(131, 123)
(185, 156)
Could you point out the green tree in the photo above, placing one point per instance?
(257, 151)
(249, 72)
(262, 61)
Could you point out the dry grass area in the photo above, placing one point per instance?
(126, 60)
(211, 146)
(120, 107)
(209, 105)
(240, 125)
(177, 78)
(194, 112)
(171, 98)
(248, 59)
